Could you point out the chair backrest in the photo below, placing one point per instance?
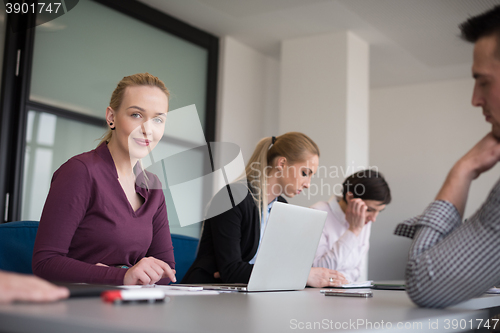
(185, 252)
(16, 245)
(18, 238)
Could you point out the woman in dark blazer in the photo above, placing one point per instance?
(230, 241)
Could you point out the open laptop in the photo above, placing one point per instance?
(287, 250)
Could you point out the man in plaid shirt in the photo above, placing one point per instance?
(450, 262)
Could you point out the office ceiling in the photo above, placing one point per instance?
(411, 41)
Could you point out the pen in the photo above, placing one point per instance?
(137, 295)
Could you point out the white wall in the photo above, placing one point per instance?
(358, 100)
(324, 94)
(417, 133)
(313, 101)
(248, 96)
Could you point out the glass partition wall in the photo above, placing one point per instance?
(76, 61)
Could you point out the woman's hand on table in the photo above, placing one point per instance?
(324, 277)
(148, 271)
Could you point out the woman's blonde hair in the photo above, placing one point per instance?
(140, 79)
(294, 146)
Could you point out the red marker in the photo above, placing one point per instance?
(133, 295)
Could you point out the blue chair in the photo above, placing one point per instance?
(185, 252)
(18, 238)
(16, 245)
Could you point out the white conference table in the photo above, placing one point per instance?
(246, 312)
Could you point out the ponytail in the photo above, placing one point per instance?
(294, 146)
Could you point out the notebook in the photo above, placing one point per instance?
(389, 285)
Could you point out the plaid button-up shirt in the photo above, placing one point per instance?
(449, 261)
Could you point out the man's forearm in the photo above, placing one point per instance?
(456, 186)
(482, 157)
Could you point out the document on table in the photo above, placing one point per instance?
(359, 284)
(173, 290)
(493, 290)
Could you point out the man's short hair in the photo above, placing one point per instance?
(485, 24)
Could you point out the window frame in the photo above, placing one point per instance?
(16, 82)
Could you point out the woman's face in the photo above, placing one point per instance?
(140, 120)
(293, 178)
(374, 207)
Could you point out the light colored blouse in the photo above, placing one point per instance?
(263, 225)
(339, 248)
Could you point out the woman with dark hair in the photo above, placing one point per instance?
(345, 239)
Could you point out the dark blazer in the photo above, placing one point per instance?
(229, 241)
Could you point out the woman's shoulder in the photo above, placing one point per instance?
(80, 161)
(321, 205)
(75, 172)
(232, 196)
(81, 165)
(235, 192)
(282, 199)
(85, 158)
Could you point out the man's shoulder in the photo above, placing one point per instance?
(496, 188)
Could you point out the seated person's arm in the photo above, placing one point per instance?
(226, 233)
(345, 255)
(341, 256)
(459, 266)
(324, 277)
(161, 246)
(65, 207)
(27, 288)
(482, 157)
(450, 262)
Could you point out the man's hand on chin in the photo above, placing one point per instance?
(482, 157)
